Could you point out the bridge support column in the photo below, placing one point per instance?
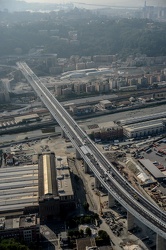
(160, 243)
(63, 135)
(97, 183)
(86, 168)
(111, 201)
(130, 221)
(78, 156)
(43, 105)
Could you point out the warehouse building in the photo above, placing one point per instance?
(56, 195)
(19, 190)
(41, 188)
(49, 203)
(153, 170)
(144, 129)
(27, 118)
(105, 131)
(141, 118)
(65, 190)
(82, 110)
(105, 104)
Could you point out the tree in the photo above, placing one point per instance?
(88, 231)
(86, 205)
(70, 233)
(87, 219)
(81, 233)
(104, 236)
(12, 244)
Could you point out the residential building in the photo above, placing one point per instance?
(25, 227)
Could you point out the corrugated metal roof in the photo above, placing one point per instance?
(22, 191)
(19, 168)
(18, 184)
(152, 168)
(17, 206)
(47, 175)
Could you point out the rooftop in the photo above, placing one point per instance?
(63, 177)
(19, 222)
(19, 119)
(142, 118)
(92, 99)
(105, 102)
(18, 187)
(47, 175)
(144, 125)
(85, 242)
(152, 168)
(104, 125)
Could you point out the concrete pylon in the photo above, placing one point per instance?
(63, 135)
(86, 168)
(78, 156)
(160, 243)
(43, 105)
(130, 221)
(111, 201)
(97, 183)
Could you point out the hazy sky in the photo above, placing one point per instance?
(107, 2)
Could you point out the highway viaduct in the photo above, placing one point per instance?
(105, 173)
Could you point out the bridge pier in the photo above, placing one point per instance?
(130, 221)
(97, 183)
(43, 106)
(63, 135)
(111, 201)
(160, 243)
(86, 168)
(78, 156)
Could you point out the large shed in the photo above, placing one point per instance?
(152, 169)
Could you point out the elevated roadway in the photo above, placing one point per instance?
(105, 172)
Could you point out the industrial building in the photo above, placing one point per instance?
(41, 188)
(105, 131)
(49, 204)
(56, 195)
(65, 189)
(25, 228)
(105, 104)
(152, 169)
(141, 118)
(82, 110)
(144, 129)
(27, 118)
(19, 190)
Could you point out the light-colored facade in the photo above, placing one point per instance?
(144, 129)
(139, 119)
(106, 104)
(65, 189)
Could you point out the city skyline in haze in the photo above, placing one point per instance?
(106, 2)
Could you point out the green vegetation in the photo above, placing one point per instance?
(88, 231)
(97, 35)
(12, 244)
(86, 206)
(76, 221)
(103, 238)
